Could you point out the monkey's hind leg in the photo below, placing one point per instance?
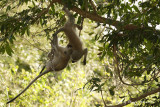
(85, 52)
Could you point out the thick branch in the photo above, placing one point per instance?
(137, 98)
(91, 16)
(98, 18)
(95, 17)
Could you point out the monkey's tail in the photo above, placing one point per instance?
(29, 85)
(42, 69)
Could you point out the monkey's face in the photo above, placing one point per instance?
(76, 55)
(69, 46)
(68, 51)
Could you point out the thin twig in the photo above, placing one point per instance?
(103, 99)
(117, 67)
(35, 46)
(94, 6)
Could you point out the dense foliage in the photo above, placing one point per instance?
(123, 64)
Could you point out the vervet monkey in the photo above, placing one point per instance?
(74, 41)
(61, 56)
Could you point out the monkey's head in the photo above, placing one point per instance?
(76, 55)
(68, 51)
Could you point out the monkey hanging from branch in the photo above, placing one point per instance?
(60, 56)
(58, 60)
(74, 41)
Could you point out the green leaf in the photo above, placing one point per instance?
(128, 6)
(80, 2)
(2, 50)
(96, 36)
(136, 8)
(23, 31)
(79, 20)
(156, 79)
(8, 49)
(138, 74)
(2, 28)
(33, 3)
(144, 78)
(96, 79)
(53, 9)
(103, 54)
(148, 72)
(41, 22)
(8, 8)
(11, 40)
(27, 30)
(111, 91)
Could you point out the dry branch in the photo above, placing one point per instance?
(137, 98)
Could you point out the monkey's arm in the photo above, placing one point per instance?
(54, 42)
(58, 31)
(71, 19)
(29, 85)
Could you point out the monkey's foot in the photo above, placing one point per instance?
(84, 62)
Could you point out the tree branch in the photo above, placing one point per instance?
(98, 18)
(137, 98)
(95, 17)
(44, 11)
(117, 67)
(92, 16)
(103, 99)
(35, 46)
(94, 6)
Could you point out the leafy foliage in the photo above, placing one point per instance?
(124, 35)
